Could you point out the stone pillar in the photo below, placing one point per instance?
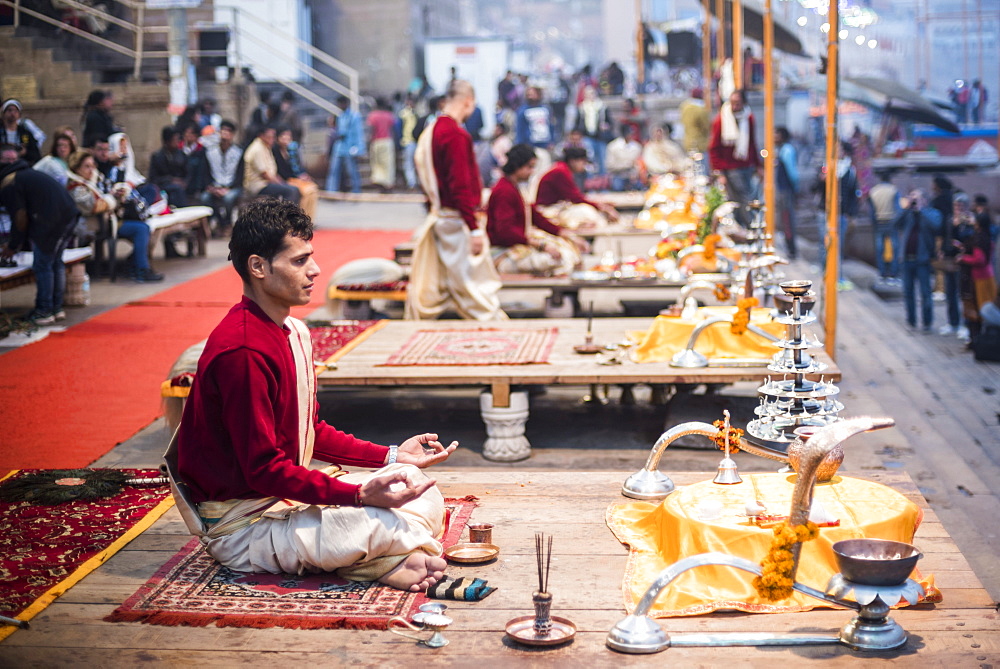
(505, 440)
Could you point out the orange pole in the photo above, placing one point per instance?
(706, 56)
(832, 185)
(737, 9)
(770, 161)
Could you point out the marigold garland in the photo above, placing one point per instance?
(735, 435)
(775, 581)
(722, 292)
(710, 242)
(741, 319)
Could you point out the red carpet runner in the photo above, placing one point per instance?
(69, 399)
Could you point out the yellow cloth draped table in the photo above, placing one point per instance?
(660, 534)
(669, 334)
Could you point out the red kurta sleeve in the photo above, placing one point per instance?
(332, 445)
(539, 221)
(247, 416)
(459, 183)
(716, 159)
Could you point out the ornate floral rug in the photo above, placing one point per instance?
(193, 589)
(484, 346)
(334, 339)
(46, 550)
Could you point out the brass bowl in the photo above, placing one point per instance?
(798, 287)
(876, 561)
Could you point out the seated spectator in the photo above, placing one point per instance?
(54, 164)
(663, 155)
(286, 158)
(288, 117)
(518, 245)
(168, 168)
(42, 217)
(621, 162)
(93, 195)
(16, 132)
(260, 172)
(97, 121)
(224, 180)
(124, 171)
(197, 166)
(557, 186)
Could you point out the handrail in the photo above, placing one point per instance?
(114, 46)
(139, 30)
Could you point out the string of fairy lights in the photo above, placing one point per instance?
(853, 16)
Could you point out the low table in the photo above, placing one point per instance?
(505, 412)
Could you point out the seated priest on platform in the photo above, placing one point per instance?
(519, 245)
(561, 199)
(240, 460)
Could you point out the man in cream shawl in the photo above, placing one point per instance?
(452, 266)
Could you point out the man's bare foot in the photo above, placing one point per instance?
(416, 573)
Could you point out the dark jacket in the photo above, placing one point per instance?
(97, 126)
(165, 166)
(26, 140)
(927, 223)
(49, 209)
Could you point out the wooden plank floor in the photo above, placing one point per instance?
(587, 568)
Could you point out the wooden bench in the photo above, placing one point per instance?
(12, 277)
(197, 219)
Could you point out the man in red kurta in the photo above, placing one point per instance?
(538, 247)
(732, 149)
(557, 185)
(240, 460)
(451, 267)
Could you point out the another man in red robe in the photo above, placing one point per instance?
(451, 262)
(538, 246)
(557, 186)
(240, 460)
(732, 150)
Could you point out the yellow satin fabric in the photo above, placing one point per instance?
(661, 534)
(669, 334)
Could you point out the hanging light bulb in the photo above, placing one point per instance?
(825, 28)
(859, 40)
(843, 34)
(802, 20)
(872, 43)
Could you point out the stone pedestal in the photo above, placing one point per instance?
(559, 306)
(505, 440)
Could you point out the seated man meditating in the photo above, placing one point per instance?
(561, 199)
(519, 245)
(239, 462)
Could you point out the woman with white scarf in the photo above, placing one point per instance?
(732, 149)
(93, 195)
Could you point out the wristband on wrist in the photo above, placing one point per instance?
(478, 232)
(393, 453)
(357, 496)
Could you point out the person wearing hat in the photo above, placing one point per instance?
(16, 132)
(523, 245)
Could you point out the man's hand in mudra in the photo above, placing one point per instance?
(424, 450)
(392, 490)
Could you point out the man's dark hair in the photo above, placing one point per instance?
(167, 133)
(343, 101)
(518, 156)
(574, 153)
(261, 229)
(980, 200)
(228, 124)
(943, 183)
(782, 133)
(288, 96)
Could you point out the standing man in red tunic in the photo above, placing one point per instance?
(239, 463)
(732, 150)
(451, 260)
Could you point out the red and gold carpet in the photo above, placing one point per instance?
(69, 399)
(483, 346)
(45, 550)
(193, 589)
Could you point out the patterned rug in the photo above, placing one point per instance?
(333, 339)
(46, 550)
(193, 589)
(485, 346)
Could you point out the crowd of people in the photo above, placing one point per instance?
(199, 162)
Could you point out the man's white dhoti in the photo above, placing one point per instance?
(443, 272)
(275, 535)
(313, 538)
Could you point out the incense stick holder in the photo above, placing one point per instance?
(543, 613)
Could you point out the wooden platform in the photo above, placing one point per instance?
(587, 569)
(362, 365)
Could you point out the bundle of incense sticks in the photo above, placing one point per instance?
(543, 557)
